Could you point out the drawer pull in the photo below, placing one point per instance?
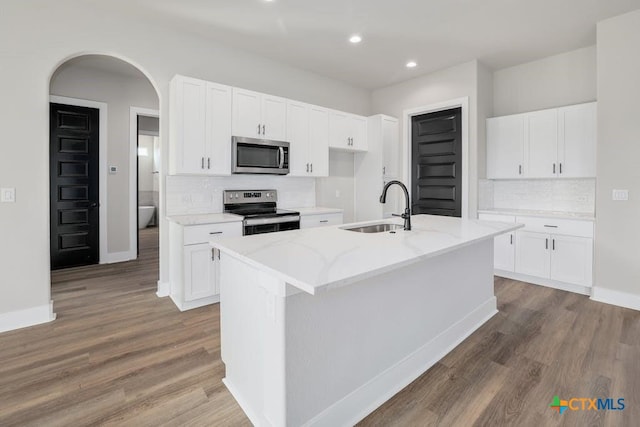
(216, 232)
(551, 226)
(324, 220)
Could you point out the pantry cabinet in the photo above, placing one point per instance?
(258, 115)
(308, 134)
(553, 143)
(200, 129)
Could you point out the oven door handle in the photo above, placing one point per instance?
(277, 220)
(281, 157)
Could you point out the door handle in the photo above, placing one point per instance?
(307, 167)
(511, 239)
(519, 169)
(93, 205)
(202, 164)
(213, 254)
(264, 132)
(311, 169)
(208, 162)
(546, 243)
(554, 168)
(258, 128)
(560, 168)
(553, 244)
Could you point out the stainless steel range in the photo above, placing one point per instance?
(260, 212)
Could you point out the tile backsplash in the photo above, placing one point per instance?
(563, 195)
(197, 194)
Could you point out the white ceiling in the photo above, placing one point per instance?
(437, 34)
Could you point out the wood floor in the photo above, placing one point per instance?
(118, 355)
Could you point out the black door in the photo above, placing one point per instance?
(74, 185)
(436, 156)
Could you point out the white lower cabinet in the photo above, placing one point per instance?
(194, 263)
(546, 251)
(320, 220)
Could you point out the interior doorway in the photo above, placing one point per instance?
(436, 165)
(147, 132)
(74, 147)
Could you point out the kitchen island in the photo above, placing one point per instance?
(321, 326)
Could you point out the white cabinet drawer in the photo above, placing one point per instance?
(568, 227)
(308, 221)
(496, 217)
(195, 234)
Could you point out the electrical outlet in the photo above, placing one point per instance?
(113, 170)
(7, 195)
(620, 195)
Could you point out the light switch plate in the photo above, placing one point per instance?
(620, 195)
(113, 170)
(7, 195)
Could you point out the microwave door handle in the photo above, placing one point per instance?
(281, 157)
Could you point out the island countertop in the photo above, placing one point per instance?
(318, 259)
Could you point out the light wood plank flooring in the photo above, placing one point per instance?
(118, 355)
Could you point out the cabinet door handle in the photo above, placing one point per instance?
(208, 162)
(519, 169)
(202, 165)
(264, 132)
(258, 128)
(307, 167)
(560, 168)
(551, 226)
(384, 170)
(213, 254)
(216, 232)
(511, 239)
(546, 243)
(553, 244)
(324, 220)
(554, 168)
(311, 169)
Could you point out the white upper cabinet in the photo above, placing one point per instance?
(554, 143)
(347, 131)
(200, 129)
(257, 115)
(577, 130)
(308, 134)
(505, 146)
(318, 148)
(390, 147)
(542, 147)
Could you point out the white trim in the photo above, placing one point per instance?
(134, 112)
(613, 297)
(364, 400)
(114, 257)
(244, 405)
(164, 289)
(406, 138)
(27, 317)
(190, 305)
(549, 283)
(103, 123)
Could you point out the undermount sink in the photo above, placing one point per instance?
(375, 228)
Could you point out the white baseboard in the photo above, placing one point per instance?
(164, 289)
(619, 298)
(190, 305)
(253, 417)
(28, 317)
(569, 287)
(113, 257)
(364, 400)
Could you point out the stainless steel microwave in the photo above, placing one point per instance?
(252, 155)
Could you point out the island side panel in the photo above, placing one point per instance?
(350, 349)
(252, 340)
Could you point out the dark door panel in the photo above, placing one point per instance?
(436, 156)
(74, 184)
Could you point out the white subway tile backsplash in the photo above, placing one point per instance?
(198, 195)
(562, 195)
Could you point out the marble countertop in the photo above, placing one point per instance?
(316, 211)
(318, 259)
(547, 214)
(200, 219)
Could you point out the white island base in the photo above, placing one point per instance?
(330, 359)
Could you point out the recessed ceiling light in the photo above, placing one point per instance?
(355, 39)
(411, 64)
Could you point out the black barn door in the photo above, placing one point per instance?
(74, 185)
(436, 157)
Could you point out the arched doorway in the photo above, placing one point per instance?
(97, 105)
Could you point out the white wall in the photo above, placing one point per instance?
(119, 92)
(555, 81)
(617, 227)
(455, 82)
(36, 36)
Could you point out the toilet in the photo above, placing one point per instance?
(145, 213)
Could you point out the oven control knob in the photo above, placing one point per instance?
(237, 196)
(268, 195)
